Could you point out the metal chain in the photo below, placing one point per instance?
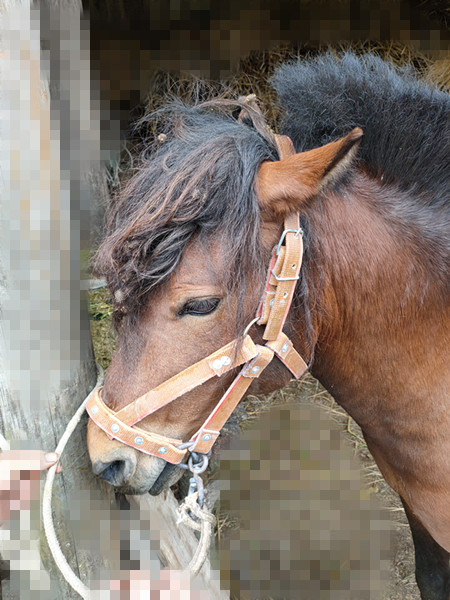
(192, 511)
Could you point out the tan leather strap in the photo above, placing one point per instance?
(282, 278)
(216, 364)
(284, 145)
(118, 425)
(210, 430)
(285, 351)
(269, 291)
(144, 441)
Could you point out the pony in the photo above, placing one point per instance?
(190, 235)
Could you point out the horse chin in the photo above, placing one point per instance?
(149, 482)
(168, 476)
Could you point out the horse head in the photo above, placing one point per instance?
(185, 255)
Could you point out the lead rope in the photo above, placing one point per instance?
(190, 508)
(4, 444)
(191, 505)
(49, 528)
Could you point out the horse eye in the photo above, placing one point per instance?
(199, 307)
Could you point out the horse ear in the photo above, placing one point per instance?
(287, 185)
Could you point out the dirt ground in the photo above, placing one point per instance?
(307, 392)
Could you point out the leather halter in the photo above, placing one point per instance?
(282, 277)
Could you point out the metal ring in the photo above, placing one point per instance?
(183, 466)
(200, 467)
(249, 325)
(185, 445)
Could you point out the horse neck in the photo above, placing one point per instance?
(375, 299)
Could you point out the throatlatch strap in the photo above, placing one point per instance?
(285, 351)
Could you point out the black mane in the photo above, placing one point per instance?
(197, 181)
(406, 122)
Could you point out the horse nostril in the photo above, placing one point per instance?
(116, 473)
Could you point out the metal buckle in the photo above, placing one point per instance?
(247, 370)
(284, 278)
(297, 232)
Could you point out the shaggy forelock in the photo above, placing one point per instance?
(198, 182)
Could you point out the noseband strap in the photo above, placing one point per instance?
(283, 273)
(119, 425)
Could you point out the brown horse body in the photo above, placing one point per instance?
(382, 347)
(372, 314)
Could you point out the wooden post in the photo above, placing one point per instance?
(50, 144)
(50, 147)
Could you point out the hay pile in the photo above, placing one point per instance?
(254, 71)
(252, 76)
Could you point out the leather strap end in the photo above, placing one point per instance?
(284, 145)
(288, 355)
(256, 366)
(205, 441)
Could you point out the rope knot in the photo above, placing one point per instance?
(189, 509)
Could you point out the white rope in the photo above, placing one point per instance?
(49, 528)
(191, 507)
(4, 444)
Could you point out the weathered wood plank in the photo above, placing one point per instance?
(177, 542)
(48, 366)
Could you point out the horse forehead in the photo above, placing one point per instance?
(200, 264)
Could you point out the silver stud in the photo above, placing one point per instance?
(138, 440)
(255, 369)
(206, 437)
(162, 450)
(271, 302)
(294, 265)
(223, 361)
(115, 428)
(94, 410)
(284, 348)
(285, 295)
